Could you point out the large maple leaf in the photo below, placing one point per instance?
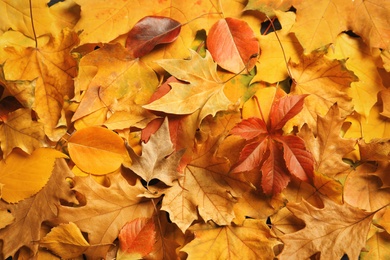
(278, 155)
(31, 212)
(328, 230)
(111, 207)
(204, 91)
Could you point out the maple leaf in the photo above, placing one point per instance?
(327, 230)
(19, 130)
(53, 68)
(158, 160)
(204, 91)
(325, 143)
(233, 45)
(31, 212)
(149, 32)
(268, 7)
(112, 207)
(113, 83)
(326, 80)
(252, 240)
(264, 147)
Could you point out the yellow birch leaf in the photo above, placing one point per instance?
(252, 240)
(272, 65)
(97, 150)
(377, 246)
(54, 69)
(19, 130)
(24, 175)
(65, 240)
(359, 59)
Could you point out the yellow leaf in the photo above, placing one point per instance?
(329, 187)
(377, 246)
(19, 130)
(272, 65)
(252, 240)
(54, 69)
(359, 59)
(24, 175)
(97, 150)
(65, 240)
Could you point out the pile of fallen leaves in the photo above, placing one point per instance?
(213, 129)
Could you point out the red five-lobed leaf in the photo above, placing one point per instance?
(276, 154)
(233, 45)
(149, 32)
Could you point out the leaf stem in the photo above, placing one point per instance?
(32, 24)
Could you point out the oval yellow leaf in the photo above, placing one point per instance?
(24, 175)
(97, 150)
(65, 240)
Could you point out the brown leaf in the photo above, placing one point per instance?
(31, 212)
(158, 159)
(149, 32)
(327, 230)
(111, 207)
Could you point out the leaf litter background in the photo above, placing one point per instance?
(190, 129)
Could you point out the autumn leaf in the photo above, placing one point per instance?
(18, 173)
(327, 230)
(158, 159)
(264, 147)
(377, 246)
(65, 240)
(252, 240)
(268, 7)
(53, 68)
(19, 130)
(112, 207)
(326, 144)
(233, 45)
(204, 91)
(31, 212)
(97, 150)
(149, 32)
(6, 218)
(136, 238)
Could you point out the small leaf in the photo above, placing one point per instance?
(233, 45)
(137, 239)
(65, 240)
(24, 175)
(149, 32)
(97, 150)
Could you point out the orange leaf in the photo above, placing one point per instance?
(97, 150)
(137, 238)
(233, 45)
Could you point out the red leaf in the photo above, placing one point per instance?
(250, 128)
(149, 32)
(298, 160)
(138, 237)
(275, 176)
(233, 45)
(284, 109)
(251, 156)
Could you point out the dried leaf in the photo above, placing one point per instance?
(233, 45)
(97, 150)
(327, 230)
(65, 240)
(149, 32)
(19, 173)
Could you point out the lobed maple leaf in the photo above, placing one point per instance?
(276, 155)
